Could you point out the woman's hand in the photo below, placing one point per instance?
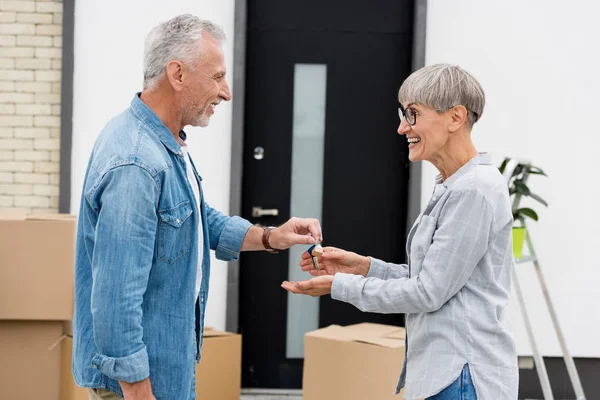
(313, 287)
(336, 260)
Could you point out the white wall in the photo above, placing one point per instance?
(538, 62)
(109, 42)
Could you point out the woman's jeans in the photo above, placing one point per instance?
(461, 389)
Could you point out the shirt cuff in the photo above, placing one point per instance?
(132, 368)
(232, 237)
(343, 284)
(378, 269)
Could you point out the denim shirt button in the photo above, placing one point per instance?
(201, 299)
(177, 220)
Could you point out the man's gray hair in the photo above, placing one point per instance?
(443, 86)
(179, 38)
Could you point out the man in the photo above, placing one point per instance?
(145, 231)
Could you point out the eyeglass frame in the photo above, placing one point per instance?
(403, 112)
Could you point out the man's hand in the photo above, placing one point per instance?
(313, 287)
(141, 390)
(336, 260)
(296, 231)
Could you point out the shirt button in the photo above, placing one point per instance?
(201, 299)
(95, 367)
(177, 220)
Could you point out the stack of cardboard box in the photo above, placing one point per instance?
(36, 298)
(37, 258)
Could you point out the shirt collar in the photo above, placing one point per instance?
(479, 159)
(151, 120)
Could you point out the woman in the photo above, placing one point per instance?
(456, 285)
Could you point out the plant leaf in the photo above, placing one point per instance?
(536, 171)
(518, 169)
(528, 212)
(503, 165)
(519, 218)
(538, 198)
(521, 188)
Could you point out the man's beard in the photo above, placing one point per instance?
(202, 120)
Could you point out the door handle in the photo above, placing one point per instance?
(258, 212)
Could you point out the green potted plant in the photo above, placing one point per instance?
(517, 188)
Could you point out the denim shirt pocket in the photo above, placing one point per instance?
(421, 241)
(174, 232)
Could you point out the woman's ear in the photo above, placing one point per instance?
(458, 115)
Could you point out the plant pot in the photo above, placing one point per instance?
(518, 235)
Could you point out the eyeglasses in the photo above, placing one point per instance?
(410, 115)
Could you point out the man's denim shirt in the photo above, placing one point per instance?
(136, 260)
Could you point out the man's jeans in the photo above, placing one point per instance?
(461, 389)
(101, 394)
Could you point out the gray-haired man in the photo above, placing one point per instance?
(145, 230)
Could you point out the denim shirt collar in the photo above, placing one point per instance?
(151, 120)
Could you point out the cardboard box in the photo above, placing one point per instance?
(355, 362)
(219, 374)
(37, 262)
(30, 359)
(217, 377)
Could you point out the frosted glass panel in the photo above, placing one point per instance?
(310, 86)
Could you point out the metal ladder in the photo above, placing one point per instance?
(539, 361)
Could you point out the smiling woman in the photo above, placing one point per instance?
(456, 284)
(433, 92)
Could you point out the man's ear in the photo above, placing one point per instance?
(175, 75)
(458, 117)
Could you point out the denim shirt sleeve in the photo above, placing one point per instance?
(384, 270)
(126, 200)
(459, 243)
(226, 234)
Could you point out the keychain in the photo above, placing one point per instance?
(315, 251)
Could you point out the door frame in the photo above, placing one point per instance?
(237, 139)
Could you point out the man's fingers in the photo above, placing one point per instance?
(315, 230)
(303, 239)
(306, 256)
(312, 225)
